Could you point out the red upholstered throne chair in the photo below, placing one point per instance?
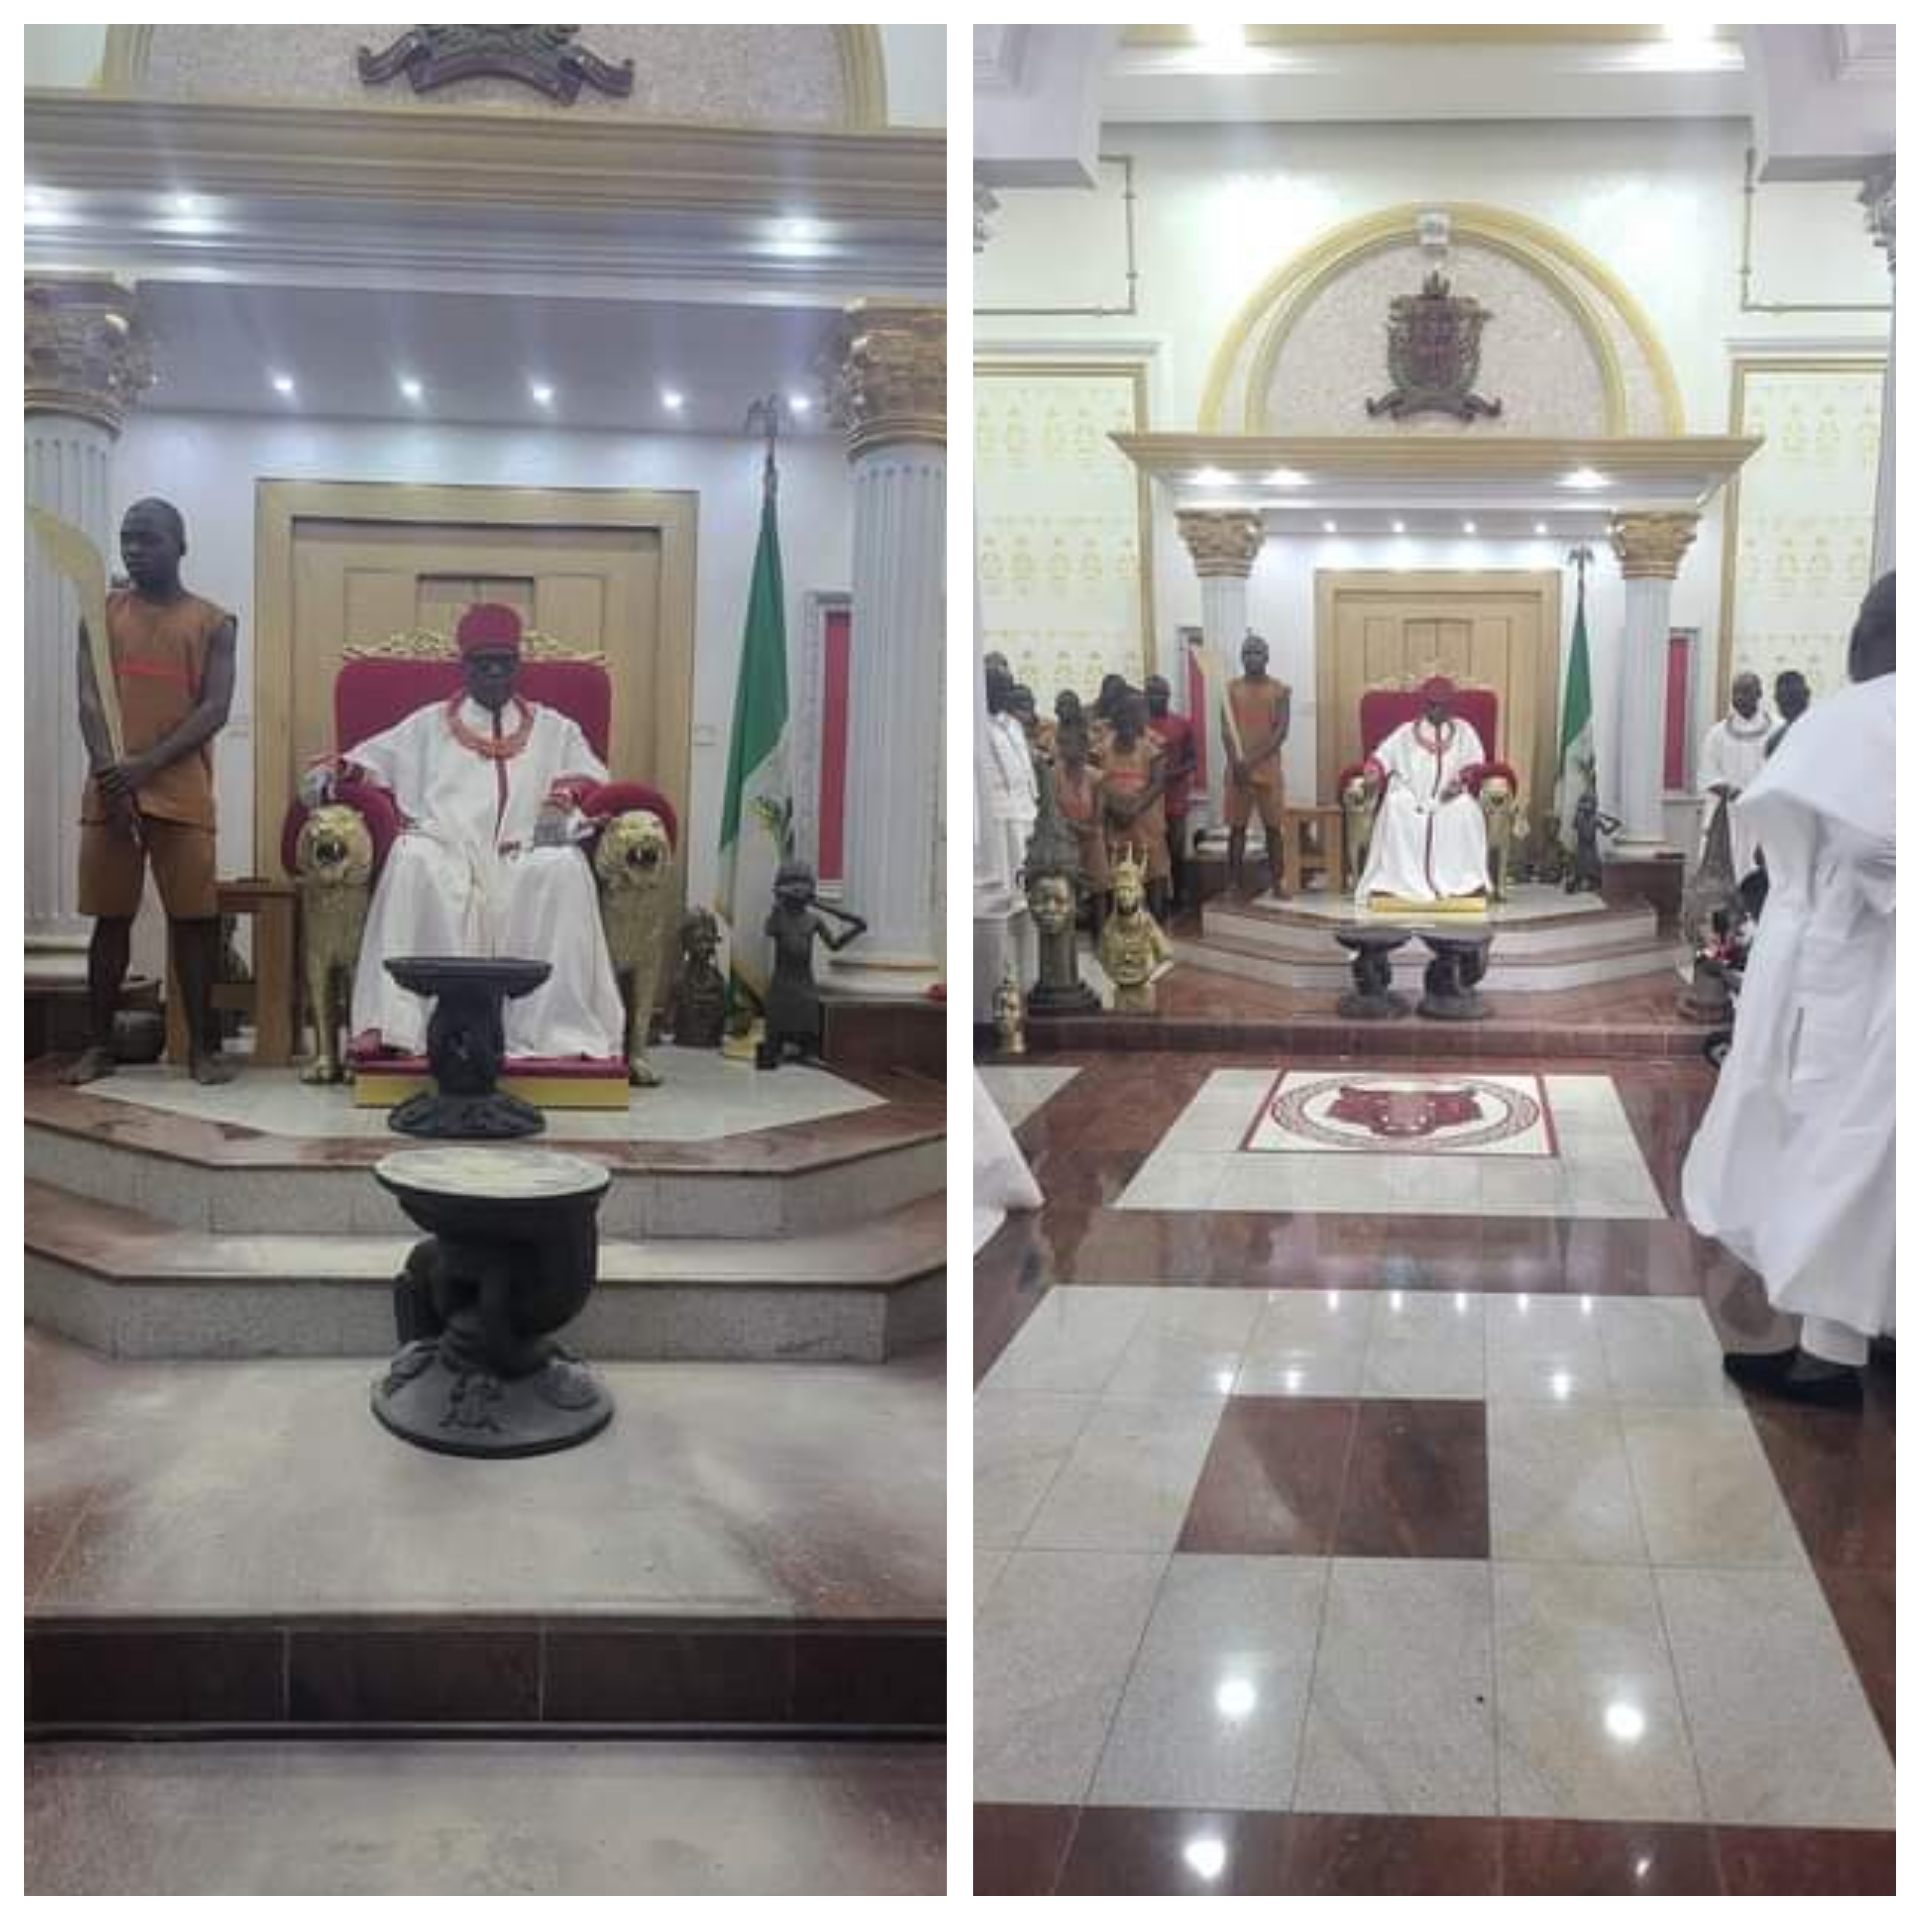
(377, 687)
(1494, 783)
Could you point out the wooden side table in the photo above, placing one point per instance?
(273, 906)
(1297, 859)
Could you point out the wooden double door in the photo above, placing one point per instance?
(1484, 629)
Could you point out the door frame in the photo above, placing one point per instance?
(1535, 762)
(664, 739)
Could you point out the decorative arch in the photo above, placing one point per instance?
(863, 70)
(1606, 314)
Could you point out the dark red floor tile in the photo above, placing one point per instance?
(1416, 1481)
(1382, 1854)
(1802, 1861)
(1153, 1850)
(1862, 1603)
(1606, 1857)
(1272, 1480)
(1020, 1849)
(1835, 1469)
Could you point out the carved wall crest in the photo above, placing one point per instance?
(1433, 354)
(544, 58)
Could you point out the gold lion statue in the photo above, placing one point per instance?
(333, 865)
(633, 862)
(1506, 829)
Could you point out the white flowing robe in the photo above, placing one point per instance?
(465, 879)
(1013, 798)
(1793, 1166)
(1423, 847)
(1732, 754)
(1002, 1181)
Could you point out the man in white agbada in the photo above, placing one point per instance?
(1731, 756)
(1429, 838)
(1013, 793)
(488, 865)
(1793, 1166)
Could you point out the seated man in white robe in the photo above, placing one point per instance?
(1793, 1167)
(487, 865)
(1429, 837)
(1731, 756)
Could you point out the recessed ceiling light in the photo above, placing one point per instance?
(1286, 477)
(1329, 526)
(1399, 526)
(799, 403)
(283, 383)
(185, 203)
(1211, 477)
(1221, 38)
(1585, 479)
(672, 399)
(542, 393)
(411, 387)
(1206, 1854)
(1540, 528)
(1467, 526)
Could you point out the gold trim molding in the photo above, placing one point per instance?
(421, 643)
(654, 744)
(87, 354)
(1415, 36)
(886, 374)
(1650, 546)
(1542, 248)
(1224, 541)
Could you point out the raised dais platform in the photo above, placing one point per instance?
(240, 1547)
(749, 1216)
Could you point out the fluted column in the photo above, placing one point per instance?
(87, 361)
(1650, 547)
(1876, 196)
(890, 396)
(1224, 543)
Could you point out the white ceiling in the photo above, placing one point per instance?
(217, 347)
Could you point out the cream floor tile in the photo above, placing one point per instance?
(1663, 1353)
(1021, 1091)
(988, 1565)
(1543, 1347)
(1558, 1483)
(1127, 1483)
(1434, 1183)
(1706, 1493)
(1308, 1342)
(1188, 1344)
(1781, 1730)
(1020, 1443)
(1052, 1649)
(1590, 1726)
(1212, 1712)
(1176, 1181)
(1427, 1346)
(1071, 1342)
(1400, 1716)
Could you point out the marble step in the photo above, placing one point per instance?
(226, 1175)
(238, 1545)
(123, 1283)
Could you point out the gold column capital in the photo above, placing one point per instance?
(1224, 541)
(1650, 546)
(87, 353)
(886, 374)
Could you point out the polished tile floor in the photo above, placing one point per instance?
(1432, 1555)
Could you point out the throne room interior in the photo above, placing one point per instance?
(401, 322)
(1362, 1503)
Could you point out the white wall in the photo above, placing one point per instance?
(916, 63)
(207, 465)
(63, 56)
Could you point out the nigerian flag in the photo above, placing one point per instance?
(756, 820)
(1576, 723)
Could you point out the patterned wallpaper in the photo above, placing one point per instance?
(1059, 524)
(1805, 541)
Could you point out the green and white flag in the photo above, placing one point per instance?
(1576, 724)
(756, 820)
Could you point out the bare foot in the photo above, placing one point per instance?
(209, 1070)
(95, 1064)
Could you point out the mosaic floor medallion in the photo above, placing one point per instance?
(1424, 1113)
